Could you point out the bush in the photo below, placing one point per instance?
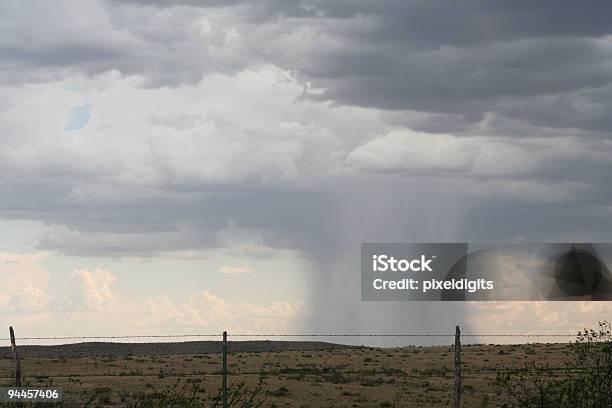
(586, 382)
(187, 396)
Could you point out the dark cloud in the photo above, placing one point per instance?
(474, 68)
(463, 59)
(435, 22)
(461, 23)
(468, 81)
(172, 219)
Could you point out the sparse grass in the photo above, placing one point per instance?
(360, 377)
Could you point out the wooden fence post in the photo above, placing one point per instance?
(457, 367)
(224, 369)
(16, 355)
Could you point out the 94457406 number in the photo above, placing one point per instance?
(26, 394)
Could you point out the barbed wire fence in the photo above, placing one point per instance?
(293, 335)
(456, 372)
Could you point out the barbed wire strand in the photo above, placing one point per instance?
(272, 335)
(288, 335)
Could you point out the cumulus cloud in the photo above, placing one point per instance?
(536, 317)
(480, 156)
(95, 287)
(169, 185)
(95, 307)
(23, 283)
(26, 298)
(230, 270)
(46, 42)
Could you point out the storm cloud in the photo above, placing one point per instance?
(311, 126)
(500, 98)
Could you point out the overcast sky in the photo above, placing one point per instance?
(194, 166)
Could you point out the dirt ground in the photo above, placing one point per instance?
(359, 377)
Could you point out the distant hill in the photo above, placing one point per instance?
(106, 349)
